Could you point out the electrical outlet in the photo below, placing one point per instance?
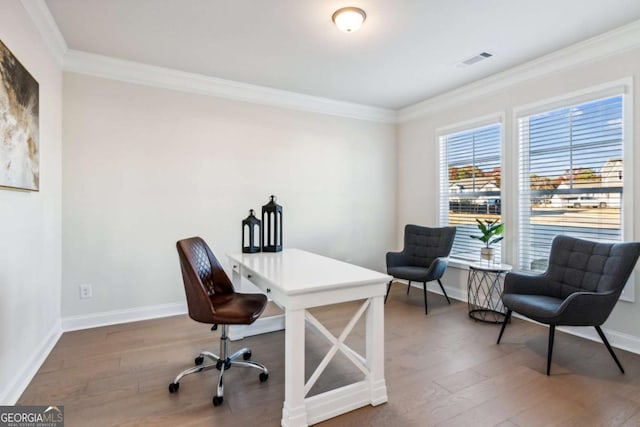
(85, 291)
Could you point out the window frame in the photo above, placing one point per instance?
(497, 118)
(623, 87)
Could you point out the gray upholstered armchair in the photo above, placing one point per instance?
(423, 259)
(580, 287)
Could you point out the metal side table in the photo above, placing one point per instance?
(484, 290)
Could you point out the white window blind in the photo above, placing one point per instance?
(470, 182)
(571, 177)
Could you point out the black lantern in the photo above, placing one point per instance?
(272, 230)
(251, 234)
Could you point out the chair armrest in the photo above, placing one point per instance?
(437, 268)
(529, 284)
(587, 308)
(397, 259)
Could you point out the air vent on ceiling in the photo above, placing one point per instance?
(474, 59)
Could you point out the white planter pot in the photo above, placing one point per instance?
(487, 253)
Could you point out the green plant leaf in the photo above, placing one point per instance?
(496, 240)
(481, 226)
(481, 238)
(489, 229)
(498, 229)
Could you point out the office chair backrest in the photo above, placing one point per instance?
(577, 265)
(424, 244)
(203, 277)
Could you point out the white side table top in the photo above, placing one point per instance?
(490, 266)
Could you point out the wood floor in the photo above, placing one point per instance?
(442, 369)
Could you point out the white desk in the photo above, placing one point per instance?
(297, 280)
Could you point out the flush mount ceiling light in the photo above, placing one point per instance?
(349, 19)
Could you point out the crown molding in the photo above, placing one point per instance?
(46, 25)
(149, 75)
(166, 78)
(611, 43)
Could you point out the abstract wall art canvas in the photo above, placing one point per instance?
(19, 130)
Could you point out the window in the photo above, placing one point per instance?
(470, 180)
(571, 177)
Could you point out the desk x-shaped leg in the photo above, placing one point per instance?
(338, 344)
(300, 410)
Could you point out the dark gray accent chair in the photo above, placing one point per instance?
(423, 259)
(581, 286)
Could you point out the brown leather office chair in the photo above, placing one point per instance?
(212, 299)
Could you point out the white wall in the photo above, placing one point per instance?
(144, 167)
(30, 232)
(417, 147)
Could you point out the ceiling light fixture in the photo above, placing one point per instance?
(349, 19)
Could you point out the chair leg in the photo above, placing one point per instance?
(220, 386)
(424, 288)
(552, 330)
(388, 289)
(507, 317)
(189, 371)
(444, 292)
(606, 342)
(408, 287)
(208, 355)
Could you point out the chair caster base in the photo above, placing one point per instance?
(217, 400)
(226, 363)
(263, 377)
(173, 387)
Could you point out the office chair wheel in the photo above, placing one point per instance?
(217, 400)
(198, 360)
(263, 377)
(247, 355)
(173, 387)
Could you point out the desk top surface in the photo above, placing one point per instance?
(295, 271)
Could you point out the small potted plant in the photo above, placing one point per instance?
(491, 233)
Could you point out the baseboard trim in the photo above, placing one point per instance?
(106, 318)
(31, 366)
(433, 287)
(617, 339)
(73, 323)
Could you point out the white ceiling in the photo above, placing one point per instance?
(405, 52)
